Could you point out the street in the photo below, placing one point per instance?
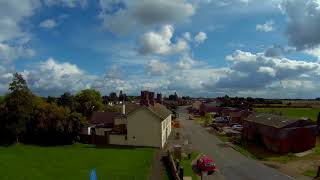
(231, 164)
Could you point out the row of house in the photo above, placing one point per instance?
(277, 133)
(145, 124)
(235, 115)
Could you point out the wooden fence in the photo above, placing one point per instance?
(94, 139)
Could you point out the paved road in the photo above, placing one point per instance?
(232, 164)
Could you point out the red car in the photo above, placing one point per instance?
(206, 165)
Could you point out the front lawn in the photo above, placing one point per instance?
(74, 162)
(294, 113)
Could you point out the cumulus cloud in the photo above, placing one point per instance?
(12, 13)
(13, 38)
(186, 62)
(256, 71)
(187, 36)
(303, 22)
(200, 37)
(157, 67)
(48, 23)
(268, 70)
(277, 51)
(10, 53)
(53, 77)
(266, 27)
(161, 42)
(119, 16)
(315, 52)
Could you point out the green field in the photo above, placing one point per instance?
(311, 113)
(74, 162)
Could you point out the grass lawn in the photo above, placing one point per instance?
(74, 162)
(311, 113)
(186, 164)
(310, 173)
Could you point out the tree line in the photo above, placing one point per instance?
(27, 118)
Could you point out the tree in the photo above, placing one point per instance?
(18, 106)
(207, 119)
(51, 99)
(67, 100)
(88, 101)
(113, 96)
(52, 124)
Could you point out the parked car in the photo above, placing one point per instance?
(206, 165)
(220, 120)
(237, 127)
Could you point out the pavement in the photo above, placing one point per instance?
(231, 164)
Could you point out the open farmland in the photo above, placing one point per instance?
(74, 162)
(293, 113)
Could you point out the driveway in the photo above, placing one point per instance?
(232, 164)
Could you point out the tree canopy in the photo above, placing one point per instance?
(27, 118)
(88, 101)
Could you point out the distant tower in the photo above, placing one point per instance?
(159, 98)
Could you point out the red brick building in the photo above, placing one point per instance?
(280, 134)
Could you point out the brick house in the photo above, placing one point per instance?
(280, 134)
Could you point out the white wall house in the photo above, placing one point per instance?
(147, 129)
(145, 125)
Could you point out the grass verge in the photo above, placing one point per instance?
(310, 173)
(186, 164)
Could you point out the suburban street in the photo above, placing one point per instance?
(232, 164)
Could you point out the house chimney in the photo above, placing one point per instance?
(151, 98)
(159, 98)
(144, 98)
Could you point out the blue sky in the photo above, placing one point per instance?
(194, 47)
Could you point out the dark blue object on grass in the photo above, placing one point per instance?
(93, 175)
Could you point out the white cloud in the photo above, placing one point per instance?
(160, 42)
(187, 36)
(156, 67)
(186, 62)
(256, 71)
(13, 38)
(266, 27)
(267, 70)
(143, 13)
(10, 53)
(52, 77)
(48, 23)
(242, 56)
(314, 52)
(12, 13)
(303, 22)
(200, 37)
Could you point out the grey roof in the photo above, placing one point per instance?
(160, 110)
(104, 117)
(271, 120)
